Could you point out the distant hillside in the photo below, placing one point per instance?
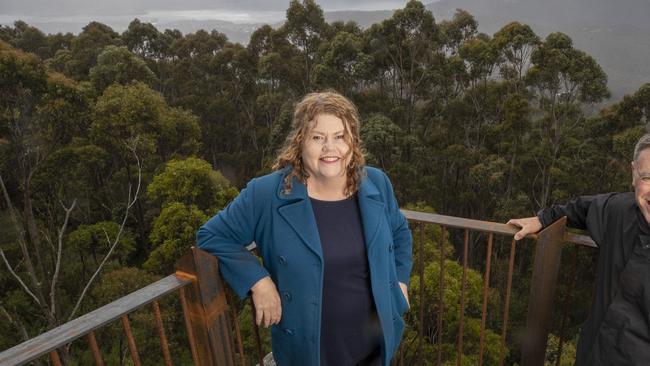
(615, 33)
(235, 32)
(364, 18)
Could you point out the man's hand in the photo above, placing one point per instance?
(528, 225)
(268, 308)
(405, 290)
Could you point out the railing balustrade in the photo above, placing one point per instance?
(214, 332)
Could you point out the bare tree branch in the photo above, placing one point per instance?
(15, 322)
(21, 242)
(59, 251)
(130, 202)
(48, 240)
(17, 277)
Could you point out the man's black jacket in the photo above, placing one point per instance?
(618, 329)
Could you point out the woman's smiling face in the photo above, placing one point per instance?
(325, 150)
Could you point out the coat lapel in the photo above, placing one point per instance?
(372, 210)
(300, 216)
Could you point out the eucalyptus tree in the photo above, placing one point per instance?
(85, 48)
(134, 116)
(118, 65)
(305, 29)
(562, 80)
(403, 48)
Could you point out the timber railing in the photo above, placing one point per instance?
(213, 329)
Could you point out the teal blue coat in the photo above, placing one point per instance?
(285, 231)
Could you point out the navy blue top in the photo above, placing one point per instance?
(350, 329)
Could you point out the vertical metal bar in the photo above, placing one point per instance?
(421, 273)
(546, 266)
(54, 356)
(567, 305)
(441, 298)
(506, 308)
(486, 288)
(161, 334)
(188, 327)
(256, 332)
(92, 341)
(131, 341)
(240, 344)
(463, 282)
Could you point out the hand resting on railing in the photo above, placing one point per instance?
(528, 225)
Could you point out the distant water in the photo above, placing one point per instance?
(74, 22)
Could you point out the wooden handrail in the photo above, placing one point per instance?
(68, 332)
(486, 226)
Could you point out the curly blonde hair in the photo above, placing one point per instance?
(304, 118)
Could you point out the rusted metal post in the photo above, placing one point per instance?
(441, 295)
(421, 273)
(463, 283)
(206, 310)
(133, 349)
(548, 253)
(161, 334)
(256, 333)
(235, 318)
(92, 341)
(54, 356)
(486, 290)
(506, 308)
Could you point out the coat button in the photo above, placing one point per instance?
(282, 259)
(390, 248)
(288, 331)
(391, 284)
(287, 296)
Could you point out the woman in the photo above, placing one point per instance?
(336, 249)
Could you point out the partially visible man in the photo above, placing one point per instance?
(617, 331)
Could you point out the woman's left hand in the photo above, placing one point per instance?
(405, 291)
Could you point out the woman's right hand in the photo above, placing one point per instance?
(268, 308)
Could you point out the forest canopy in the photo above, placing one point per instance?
(114, 147)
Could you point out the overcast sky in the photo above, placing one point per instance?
(124, 7)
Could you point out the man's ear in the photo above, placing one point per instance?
(633, 173)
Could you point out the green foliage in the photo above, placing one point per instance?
(188, 191)
(97, 238)
(22, 80)
(382, 140)
(173, 233)
(191, 182)
(118, 65)
(135, 114)
(85, 48)
(568, 351)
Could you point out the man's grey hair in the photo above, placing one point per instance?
(642, 144)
